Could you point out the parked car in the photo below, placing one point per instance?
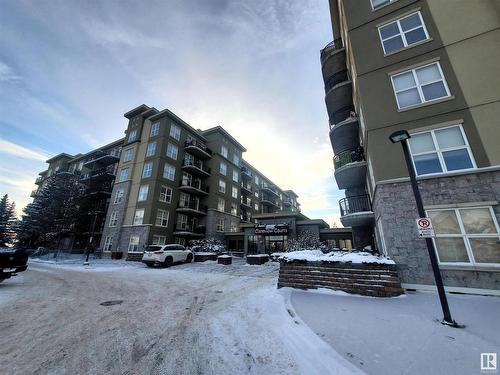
(166, 255)
(12, 261)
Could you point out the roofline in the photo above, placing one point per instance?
(320, 222)
(114, 143)
(336, 230)
(136, 111)
(267, 178)
(281, 214)
(226, 133)
(169, 113)
(59, 156)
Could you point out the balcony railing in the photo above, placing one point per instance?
(198, 144)
(342, 114)
(38, 180)
(247, 187)
(198, 164)
(270, 188)
(337, 78)
(332, 46)
(195, 185)
(246, 202)
(358, 203)
(246, 172)
(348, 156)
(189, 227)
(193, 205)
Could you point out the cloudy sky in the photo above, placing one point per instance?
(69, 69)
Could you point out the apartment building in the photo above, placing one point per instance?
(429, 67)
(168, 182)
(96, 172)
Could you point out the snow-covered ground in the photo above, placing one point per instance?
(199, 318)
(403, 335)
(334, 256)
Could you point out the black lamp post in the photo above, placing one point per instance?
(403, 136)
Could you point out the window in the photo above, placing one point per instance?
(147, 170)
(220, 225)
(403, 33)
(128, 155)
(139, 216)
(257, 180)
(113, 219)
(236, 160)
(182, 222)
(155, 129)
(169, 172)
(80, 166)
(234, 192)
(221, 204)
(143, 193)
(256, 194)
(175, 131)
(184, 200)
(234, 209)
(165, 194)
(118, 196)
(441, 150)
(162, 218)
(223, 151)
(222, 186)
(172, 151)
(233, 227)
(419, 85)
(236, 175)
(466, 235)
(223, 168)
(256, 207)
(108, 243)
(159, 240)
(123, 175)
(133, 244)
(132, 135)
(380, 3)
(151, 150)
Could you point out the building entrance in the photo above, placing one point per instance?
(275, 244)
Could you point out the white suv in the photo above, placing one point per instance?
(166, 255)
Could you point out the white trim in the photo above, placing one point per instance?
(432, 288)
(402, 34)
(381, 6)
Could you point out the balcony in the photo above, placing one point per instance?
(192, 208)
(246, 173)
(246, 188)
(270, 202)
(350, 168)
(356, 211)
(64, 173)
(188, 230)
(193, 187)
(246, 216)
(271, 189)
(198, 149)
(345, 134)
(246, 203)
(101, 174)
(101, 160)
(196, 167)
(333, 46)
(339, 102)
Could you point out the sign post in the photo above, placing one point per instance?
(425, 229)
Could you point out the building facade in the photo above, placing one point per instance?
(167, 182)
(430, 68)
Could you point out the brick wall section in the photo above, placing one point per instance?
(395, 206)
(378, 280)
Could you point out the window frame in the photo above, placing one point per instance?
(130, 138)
(142, 198)
(137, 217)
(402, 33)
(438, 151)
(224, 151)
(223, 163)
(236, 176)
(219, 227)
(171, 167)
(381, 6)
(136, 245)
(150, 170)
(168, 197)
(108, 244)
(119, 195)
(171, 146)
(160, 215)
(121, 178)
(149, 148)
(219, 200)
(418, 86)
(113, 219)
(221, 188)
(173, 131)
(234, 192)
(465, 236)
(155, 129)
(126, 153)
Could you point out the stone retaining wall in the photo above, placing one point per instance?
(378, 280)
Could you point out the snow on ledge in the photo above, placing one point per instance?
(335, 256)
(204, 253)
(257, 256)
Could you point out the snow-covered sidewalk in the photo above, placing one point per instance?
(403, 335)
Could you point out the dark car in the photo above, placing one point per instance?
(12, 261)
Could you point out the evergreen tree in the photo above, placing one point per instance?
(7, 221)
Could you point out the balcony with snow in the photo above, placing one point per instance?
(350, 168)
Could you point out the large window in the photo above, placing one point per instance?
(108, 243)
(169, 172)
(234, 209)
(128, 155)
(159, 240)
(172, 151)
(113, 219)
(220, 225)
(151, 150)
(123, 175)
(234, 192)
(236, 160)
(403, 33)
(118, 196)
(133, 244)
(175, 131)
(139, 216)
(162, 218)
(236, 175)
(221, 204)
(147, 170)
(466, 236)
(222, 186)
(223, 151)
(223, 168)
(155, 129)
(441, 150)
(132, 135)
(143, 193)
(419, 85)
(165, 194)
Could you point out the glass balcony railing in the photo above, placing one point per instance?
(348, 156)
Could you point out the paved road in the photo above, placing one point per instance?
(54, 324)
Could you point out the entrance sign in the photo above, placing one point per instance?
(425, 229)
(272, 229)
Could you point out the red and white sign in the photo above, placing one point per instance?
(424, 226)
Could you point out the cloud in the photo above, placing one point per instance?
(7, 74)
(10, 148)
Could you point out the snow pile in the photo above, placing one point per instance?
(204, 253)
(257, 256)
(335, 256)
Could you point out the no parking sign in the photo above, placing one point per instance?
(425, 229)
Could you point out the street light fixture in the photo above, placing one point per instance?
(402, 136)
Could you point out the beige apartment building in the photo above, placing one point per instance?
(430, 67)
